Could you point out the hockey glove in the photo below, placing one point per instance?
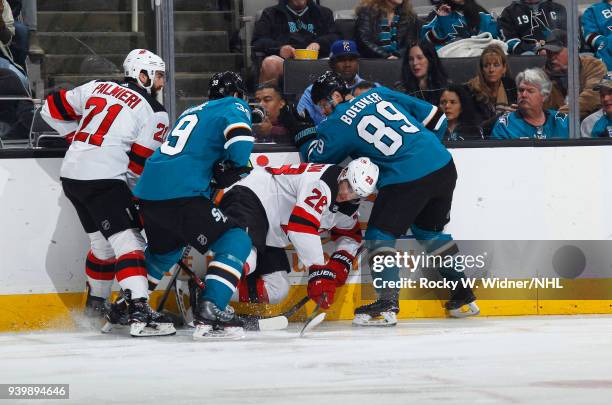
(225, 174)
(600, 43)
(300, 127)
(325, 279)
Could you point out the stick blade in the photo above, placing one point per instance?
(313, 323)
(274, 323)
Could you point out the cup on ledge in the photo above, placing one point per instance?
(306, 54)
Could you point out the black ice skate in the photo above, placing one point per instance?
(117, 315)
(146, 322)
(95, 307)
(460, 299)
(212, 323)
(382, 312)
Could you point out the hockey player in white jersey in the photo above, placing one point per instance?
(113, 127)
(292, 205)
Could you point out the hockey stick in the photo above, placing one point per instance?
(276, 322)
(315, 318)
(172, 282)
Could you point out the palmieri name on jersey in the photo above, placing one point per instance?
(358, 106)
(119, 92)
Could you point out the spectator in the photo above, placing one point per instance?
(291, 25)
(362, 87)
(599, 124)
(16, 114)
(592, 70)
(457, 104)
(457, 19)
(25, 41)
(422, 73)
(384, 27)
(271, 100)
(531, 120)
(493, 89)
(524, 24)
(597, 30)
(344, 60)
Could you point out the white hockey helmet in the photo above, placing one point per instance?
(361, 175)
(141, 59)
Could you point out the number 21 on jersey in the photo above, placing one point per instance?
(374, 130)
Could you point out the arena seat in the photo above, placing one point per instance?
(301, 73)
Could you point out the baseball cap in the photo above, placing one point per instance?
(555, 40)
(605, 82)
(343, 48)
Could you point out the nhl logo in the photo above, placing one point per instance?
(203, 240)
(106, 225)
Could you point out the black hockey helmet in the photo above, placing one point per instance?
(326, 84)
(225, 84)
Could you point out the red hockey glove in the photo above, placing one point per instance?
(325, 279)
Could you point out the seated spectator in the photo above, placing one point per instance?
(456, 103)
(524, 24)
(493, 89)
(362, 87)
(16, 114)
(597, 30)
(592, 70)
(344, 60)
(531, 120)
(25, 40)
(384, 27)
(599, 124)
(423, 76)
(457, 19)
(270, 129)
(291, 25)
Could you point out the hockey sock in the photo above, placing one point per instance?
(131, 273)
(159, 264)
(225, 270)
(100, 274)
(385, 278)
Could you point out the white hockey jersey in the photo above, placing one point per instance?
(113, 126)
(299, 201)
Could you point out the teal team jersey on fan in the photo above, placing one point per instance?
(204, 134)
(390, 128)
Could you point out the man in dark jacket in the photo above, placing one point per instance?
(291, 25)
(525, 24)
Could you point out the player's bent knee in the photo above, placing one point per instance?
(375, 234)
(277, 286)
(235, 242)
(100, 247)
(127, 241)
(158, 264)
(435, 242)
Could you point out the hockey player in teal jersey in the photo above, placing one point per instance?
(416, 181)
(210, 143)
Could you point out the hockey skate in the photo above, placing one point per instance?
(382, 312)
(146, 322)
(95, 307)
(117, 315)
(211, 323)
(455, 306)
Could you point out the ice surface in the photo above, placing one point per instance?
(505, 360)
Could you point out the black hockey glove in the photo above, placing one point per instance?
(301, 127)
(225, 174)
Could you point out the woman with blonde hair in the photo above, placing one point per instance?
(384, 27)
(493, 88)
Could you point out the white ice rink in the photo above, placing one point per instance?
(505, 360)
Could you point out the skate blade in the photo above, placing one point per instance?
(314, 322)
(141, 329)
(206, 332)
(386, 319)
(472, 310)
